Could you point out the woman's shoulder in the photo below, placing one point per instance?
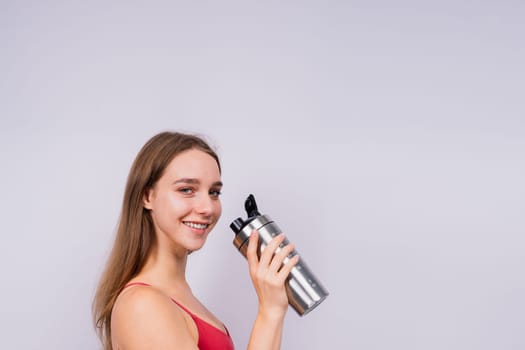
(139, 298)
(144, 315)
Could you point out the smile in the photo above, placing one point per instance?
(196, 225)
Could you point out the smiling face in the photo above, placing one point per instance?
(184, 203)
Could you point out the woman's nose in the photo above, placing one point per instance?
(204, 205)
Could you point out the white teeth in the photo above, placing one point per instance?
(195, 225)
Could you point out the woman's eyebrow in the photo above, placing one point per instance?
(188, 180)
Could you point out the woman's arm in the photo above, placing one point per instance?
(269, 279)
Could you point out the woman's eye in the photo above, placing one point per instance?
(186, 190)
(215, 193)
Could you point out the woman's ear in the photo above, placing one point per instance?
(147, 199)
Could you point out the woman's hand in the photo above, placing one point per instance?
(269, 275)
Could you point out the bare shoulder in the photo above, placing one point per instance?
(139, 301)
(145, 318)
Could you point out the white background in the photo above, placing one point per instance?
(386, 138)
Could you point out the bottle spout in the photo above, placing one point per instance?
(251, 206)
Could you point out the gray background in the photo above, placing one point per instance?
(385, 138)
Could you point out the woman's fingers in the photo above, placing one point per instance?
(267, 254)
(280, 257)
(251, 252)
(273, 258)
(287, 268)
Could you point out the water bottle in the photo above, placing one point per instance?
(304, 290)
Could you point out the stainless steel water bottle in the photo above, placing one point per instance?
(304, 290)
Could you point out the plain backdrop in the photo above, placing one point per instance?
(387, 139)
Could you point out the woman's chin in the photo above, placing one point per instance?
(196, 244)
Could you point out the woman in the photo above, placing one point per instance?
(171, 203)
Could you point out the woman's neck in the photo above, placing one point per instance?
(166, 268)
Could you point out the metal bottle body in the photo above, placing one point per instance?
(304, 290)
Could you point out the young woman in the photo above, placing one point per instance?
(171, 203)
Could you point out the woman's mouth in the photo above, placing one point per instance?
(196, 225)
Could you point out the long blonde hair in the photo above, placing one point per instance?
(135, 233)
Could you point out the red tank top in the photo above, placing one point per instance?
(210, 337)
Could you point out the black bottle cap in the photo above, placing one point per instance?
(237, 225)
